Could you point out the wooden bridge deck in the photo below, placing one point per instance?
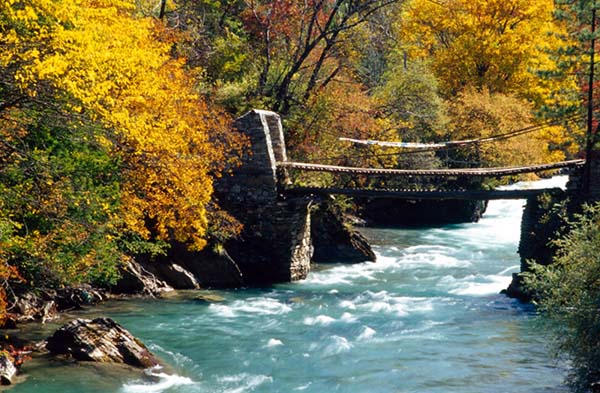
(463, 172)
(423, 194)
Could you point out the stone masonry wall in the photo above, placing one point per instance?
(576, 177)
(595, 174)
(254, 182)
(275, 244)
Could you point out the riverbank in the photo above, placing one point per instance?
(427, 317)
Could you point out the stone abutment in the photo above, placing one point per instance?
(275, 244)
(544, 221)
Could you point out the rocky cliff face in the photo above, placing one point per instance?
(334, 240)
(212, 267)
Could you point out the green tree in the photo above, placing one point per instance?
(409, 95)
(106, 147)
(568, 292)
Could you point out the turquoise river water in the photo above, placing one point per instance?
(425, 318)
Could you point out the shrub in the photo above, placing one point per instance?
(568, 292)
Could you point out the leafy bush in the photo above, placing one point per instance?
(106, 147)
(568, 292)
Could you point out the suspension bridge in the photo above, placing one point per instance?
(428, 193)
(264, 173)
(276, 213)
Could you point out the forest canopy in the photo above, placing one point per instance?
(107, 146)
(115, 114)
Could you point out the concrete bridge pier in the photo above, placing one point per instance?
(275, 244)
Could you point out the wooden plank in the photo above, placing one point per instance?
(423, 194)
(464, 172)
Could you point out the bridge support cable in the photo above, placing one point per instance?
(432, 146)
(462, 172)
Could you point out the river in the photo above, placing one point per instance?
(425, 318)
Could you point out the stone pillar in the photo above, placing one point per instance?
(595, 174)
(541, 225)
(275, 244)
(273, 122)
(576, 177)
(535, 241)
(255, 180)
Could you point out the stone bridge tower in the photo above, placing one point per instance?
(540, 225)
(594, 184)
(576, 182)
(275, 245)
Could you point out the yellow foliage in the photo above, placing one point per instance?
(494, 44)
(481, 114)
(117, 68)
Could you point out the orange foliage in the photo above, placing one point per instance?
(341, 109)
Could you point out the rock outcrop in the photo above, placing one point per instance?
(334, 240)
(100, 340)
(211, 267)
(136, 279)
(30, 307)
(543, 221)
(73, 298)
(214, 268)
(44, 305)
(8, 371)
(173, 274)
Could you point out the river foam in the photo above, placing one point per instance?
(366, 334)
(427, 317)
(163, 382)
(254, 305)
(244, 382)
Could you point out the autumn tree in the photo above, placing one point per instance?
(302, 43)
(106, 147)
(498, 56)
(476, 115)
(496, 45)
(579, 56)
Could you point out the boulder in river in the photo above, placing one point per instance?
(208, 298)
(8, 371)
(100, 340)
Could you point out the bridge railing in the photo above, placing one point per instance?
(463, 172)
